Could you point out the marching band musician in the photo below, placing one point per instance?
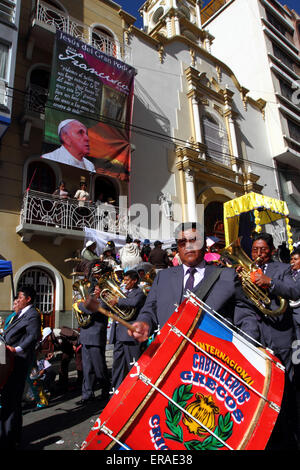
(219, 287)
(93, 340)
(21, 337)
(126, 349)
(274, 332)
(295, 271)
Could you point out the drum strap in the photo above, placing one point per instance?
(207, 283)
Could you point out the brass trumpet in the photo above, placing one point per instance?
(235, 256)
(109, 291)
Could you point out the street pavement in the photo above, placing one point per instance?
(63, 424)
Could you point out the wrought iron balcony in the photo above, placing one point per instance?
(51, 18)
(49, 215)
(35, 100)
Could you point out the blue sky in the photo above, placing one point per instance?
(132, 6)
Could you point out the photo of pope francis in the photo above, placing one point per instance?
(74, 138)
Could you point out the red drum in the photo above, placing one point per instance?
(6, 363)
(198, 386)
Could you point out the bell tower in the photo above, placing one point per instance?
(171, 18)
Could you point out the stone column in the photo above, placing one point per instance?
(190, 193)
(169, 27)
(197, 122)
(177, 25)
(233, 137)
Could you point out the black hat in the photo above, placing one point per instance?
(157, 243)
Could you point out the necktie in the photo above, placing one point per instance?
(190, 281)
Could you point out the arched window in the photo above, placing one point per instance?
(216, 139)
(41, 177)
(104, 40)
(157, 15)
(44, 286)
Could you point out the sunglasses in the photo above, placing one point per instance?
(181, 242)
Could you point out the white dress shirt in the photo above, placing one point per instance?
(198, 276)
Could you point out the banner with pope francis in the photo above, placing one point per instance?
(89, 109)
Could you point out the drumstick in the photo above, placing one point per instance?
(116, 318)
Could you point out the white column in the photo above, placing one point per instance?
(233, 137)
(177, 26)
(197, 122)
(190, 193)
(169, 27)
(198, 15)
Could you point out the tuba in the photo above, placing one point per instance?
(81, 288)
(110, 289)
(235, 256)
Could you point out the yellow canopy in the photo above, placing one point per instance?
(266, 210)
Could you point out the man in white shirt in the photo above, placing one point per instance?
(75, 146)
(21, 337)
(217, 286)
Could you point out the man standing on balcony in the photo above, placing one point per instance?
(74, 138)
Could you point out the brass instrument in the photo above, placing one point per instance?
(81, 287)
(148, 279)
(110, 290)
(235, 256)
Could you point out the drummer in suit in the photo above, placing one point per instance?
(21, 336)
(219, 287)
(126, 349)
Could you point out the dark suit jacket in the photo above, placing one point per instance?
(276, 333)
(25, 332)
(94, 334)
(225, 295)
(296, 311)
(136, 299)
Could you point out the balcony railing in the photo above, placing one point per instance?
(8, 10)
(54, 19)
(69, 214)
(36, 98)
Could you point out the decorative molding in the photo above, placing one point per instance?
(128, 35)
(193, 57)
(161, 52)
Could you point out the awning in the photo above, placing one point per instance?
(265, 211)
(5, 268)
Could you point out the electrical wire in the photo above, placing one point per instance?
(139, 130)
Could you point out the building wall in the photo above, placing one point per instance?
(14, 157)
(241, 43)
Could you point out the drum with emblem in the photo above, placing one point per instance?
(200, 385)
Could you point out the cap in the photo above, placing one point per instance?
(174, 246)
(63, 124)
(46, 332)
(90, 243)
(107, 248)
(157, 243)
